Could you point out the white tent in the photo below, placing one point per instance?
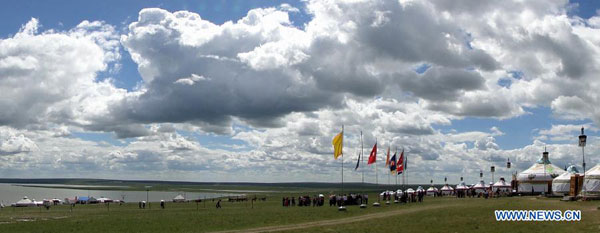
(420, 189)
(462, 186)
(480, 187)
(104, 200)
(410, 191)
(591, 182)
(501, 185)
(399, 192)
(431, 191)
(179, 198)
(561, 185)
(539, 176)
(25, 202)
(447, 190)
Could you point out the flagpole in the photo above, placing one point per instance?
(396, 175)
(362, 157)
(376, 175)
(388, 165)
(342, 159)
(403, 172)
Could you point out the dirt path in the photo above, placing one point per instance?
(330, 222)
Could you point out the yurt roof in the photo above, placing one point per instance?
(542, 170)
(432, 189)
(462, 185)
(25, 200)
(480, 185)
(501, 183)
(566, 177)
(446, 187)
(593, 173)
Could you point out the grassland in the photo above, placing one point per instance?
(434, 215)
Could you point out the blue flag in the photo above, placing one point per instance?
(393, 163)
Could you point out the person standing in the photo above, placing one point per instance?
(218, 204)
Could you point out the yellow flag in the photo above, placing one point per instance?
(337, 145)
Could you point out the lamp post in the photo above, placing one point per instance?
(582, 141)
(493, 169)
(147, 195)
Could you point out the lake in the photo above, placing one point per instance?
(11, 193)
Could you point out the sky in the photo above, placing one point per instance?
(255, 90)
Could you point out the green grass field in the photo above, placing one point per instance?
(434, 215)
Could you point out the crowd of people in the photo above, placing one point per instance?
(306, 200)
(400, 197)
(348, 199)
(486, 193)
(405, 197)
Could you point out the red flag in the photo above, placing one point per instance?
(373, 155)
(400, 163)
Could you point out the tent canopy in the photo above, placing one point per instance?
(462, 186)
(591, 182)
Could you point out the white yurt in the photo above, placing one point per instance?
(462, 186)
(538, 178)
(591, 182)
(410, 191)
(501, 185)
(179, 198)
(480, 187)
(25, 202)
(399, 192)
(431, 191)
(561, 185)
(447, 190)
(420, 189)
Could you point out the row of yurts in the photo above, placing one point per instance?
(541, 177)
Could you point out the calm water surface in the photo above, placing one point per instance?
(11, 193)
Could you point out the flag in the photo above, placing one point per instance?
(373, 155)
(357, 162)
(393, 163)
(337, 144)
(405, 161)
(387, 159)
(400, 168)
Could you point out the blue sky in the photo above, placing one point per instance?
(279, 93)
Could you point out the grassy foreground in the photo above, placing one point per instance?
(434, 215)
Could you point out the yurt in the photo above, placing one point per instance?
(480, 187)
(501, 186)
(179, 198)
(538, 178)
(447, 190)
(410, 191)
(420, 189)
(25, 202)
(561, 185)
(462, 186)
(399, 192)
(591, 182)
(431, 191)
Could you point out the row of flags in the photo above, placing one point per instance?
(395, 166)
